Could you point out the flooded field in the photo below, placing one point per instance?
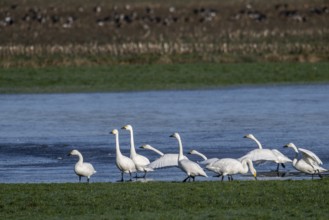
(38, 131)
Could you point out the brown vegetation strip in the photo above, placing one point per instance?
(262, 30)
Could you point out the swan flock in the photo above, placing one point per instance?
(309, 163)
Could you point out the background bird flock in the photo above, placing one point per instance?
(162, 31)
(308, 162)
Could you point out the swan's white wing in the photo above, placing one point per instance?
(125, 164)
(191, 168)
(303, 166)
(140, 161)
(281, 157)
(166, 161)
(260, 156)
(307, 154)
(220, 166)
(320, 169)
(85, 169)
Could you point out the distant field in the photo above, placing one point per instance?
(159, 200)
(156, 77)
(40, 33)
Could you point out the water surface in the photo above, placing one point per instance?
(38, 130)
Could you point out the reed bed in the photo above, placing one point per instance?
(164, 52)
(160, 48)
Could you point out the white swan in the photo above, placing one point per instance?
(140, 161)
(228, 167)
(205, 161)
(310, 163)
(81, 168)
(164, 161)
(191, 168)
(262, 155)
(124, 164)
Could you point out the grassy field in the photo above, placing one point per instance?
(160, 200)
(156, 77)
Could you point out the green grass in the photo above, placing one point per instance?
(166, 200)
(156, 77)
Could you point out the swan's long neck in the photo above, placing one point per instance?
(245, 163)
(200, 154)
(117, 146)
(80, 158)
(155, 150)
(294, 161)
(132, 144)
(258, 143)
(181, 156)
(250, 165)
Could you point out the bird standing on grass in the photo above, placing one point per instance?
(81, 168)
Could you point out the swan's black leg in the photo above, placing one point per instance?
(87, 179)
(320, 174)
(222, 178)
(121, 176)
(79, 179)
(188, 177)
(277, 168)
(144, 174)
(193, 177)
(231, 178)
(282, 164)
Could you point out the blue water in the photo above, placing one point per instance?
(38, 130)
